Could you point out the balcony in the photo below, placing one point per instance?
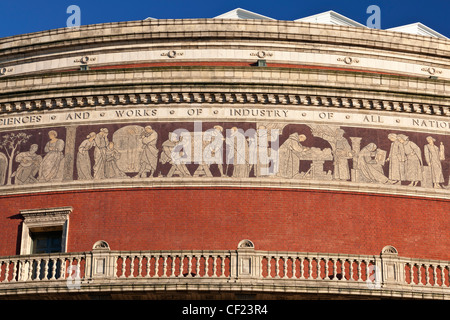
(242, 270)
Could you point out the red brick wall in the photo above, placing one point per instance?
(291, 220)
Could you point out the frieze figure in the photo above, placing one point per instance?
(83, 159)
(149, 156)
(213, 153)
(341, 148)
(413, 163)
(111, 168)
(290, 154)
(29, 164)
(396, 159)
(433, 157)
(52, 165)
(170, 154)
(237, 154)
(101, 142)
(370, 165)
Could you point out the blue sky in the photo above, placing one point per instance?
(25, 16)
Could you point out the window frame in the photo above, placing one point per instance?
(44, 220)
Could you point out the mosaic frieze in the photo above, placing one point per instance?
(224, 149)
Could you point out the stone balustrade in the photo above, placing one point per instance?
(102, 269)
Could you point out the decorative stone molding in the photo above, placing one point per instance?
(348, 60)
(246, 244)
(261, 54)
(6, 70)
(85, 60)
(389, 250)
(223, 98)
(101, 245)
(172, 54)
(432, 70)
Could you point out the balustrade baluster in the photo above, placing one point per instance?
(222, 266)
(190, 258)
(15, 264)
(205, 273)
(172, 269)
(147, 268)
(124, 265)
(54, 265)
(325, 267)
(164, 271)
(435, 276)
(319, 269)
(30, 270)
(335, 261)
(7, 271)
(276, 267)
(214, 266)
(157, 266)
(139, 266)
(418, 275)
(182, 265)
(301, 267)
(310, 269)
(45, 277)
(197, 266)
(38, 270)
(132, 266)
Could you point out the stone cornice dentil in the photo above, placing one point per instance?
(162, 98)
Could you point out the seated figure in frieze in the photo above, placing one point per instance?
(29, 164)
(370, 163)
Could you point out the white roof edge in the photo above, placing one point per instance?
(419, 29)
(331, 17)
(240, 13)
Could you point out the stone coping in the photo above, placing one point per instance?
(219, 183)
(279, 29)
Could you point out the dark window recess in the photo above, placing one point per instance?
(46, 242)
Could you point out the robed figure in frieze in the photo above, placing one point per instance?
(237, 153)
(29, 164)
(290, 154)
(84, 167)
(340, 147)
(396, 159)
(433, 156)
(413, 163)
(52, 165)
(172, 153)
(101, 142)
(150, 152)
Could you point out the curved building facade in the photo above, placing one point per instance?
(218, 158)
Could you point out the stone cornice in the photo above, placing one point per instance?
(233, 97)
(217, 28)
